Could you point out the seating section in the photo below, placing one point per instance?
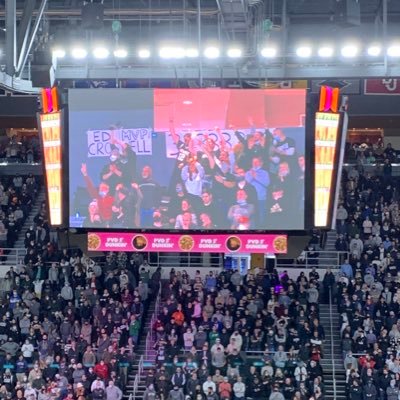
(231, 337)
(368, 226)
(25, 149)
(69, 325)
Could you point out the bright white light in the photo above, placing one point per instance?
(144, 53)
(349, 51)
(304, 51)
(101, 53)
(79, 53)
(172, 52)
(234, 52)
(211, 52)
(268, 52)
(59, 53)
(394, 51)
(192, 53)
(187, 102)
(374, 50)
(120, 53)
(325, 51)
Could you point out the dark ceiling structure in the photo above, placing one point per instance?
(31, 29)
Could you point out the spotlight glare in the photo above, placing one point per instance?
(172, 52)
(304, 51)
(144, 53)
(120, 53)
(191, 53)
(101, 53)
(211, 52)
(349, 51)
(79, 53)
(374, 50)
(394, 51)
(325, 51)
(234, 52)
(269, 52)
(58, 53)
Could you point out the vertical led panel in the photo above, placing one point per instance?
(50, 126)
(326, 139)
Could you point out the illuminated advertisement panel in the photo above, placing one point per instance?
(326, 137)
(50, 125)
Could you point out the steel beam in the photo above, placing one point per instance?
(22, 61)
(24, 27)
(281, 71)
(11, 36)
(16, 84)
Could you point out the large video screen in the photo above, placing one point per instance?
(187, 159)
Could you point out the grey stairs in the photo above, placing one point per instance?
(20, 242)
(148, 363)
(329, 259)
(337, 372)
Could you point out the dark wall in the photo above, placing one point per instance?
(18, 106)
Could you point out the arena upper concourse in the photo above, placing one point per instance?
(199, 200)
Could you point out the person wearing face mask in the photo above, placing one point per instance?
(111, 173)
(282, 149)
(259, 179)
(242, 213)
(101, 195)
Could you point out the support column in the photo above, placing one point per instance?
(11, 37)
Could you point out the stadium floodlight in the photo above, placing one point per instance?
(168, 53)
(120, 52)
(79, 53)
(269, 52)
(191, 52)
(325, 51)
(144, 53)
(234, 52)
(349, 50)
(212, 52)
(374, 50)
(394, 50)
(101, 52)
(58, 52)
(304, 51)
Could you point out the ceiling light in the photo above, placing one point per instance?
(101, 53)
(79, 53)
(349, 51)
(59, 53)
(172, 52)
(374, 50)
(192, 53)
(325, 51)
(268, 52)
(120, 53)
(394, 51)
(144, 53)
(304, 51)
(234, 52)
(211, 52)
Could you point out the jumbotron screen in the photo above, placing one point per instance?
(187, 159)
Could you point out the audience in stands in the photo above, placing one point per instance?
(229, 336)
(25, 149)
(368, 288)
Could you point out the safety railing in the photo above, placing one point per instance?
(150, 333)
(12, 256)
(137, 379)
(186, 260)
(310, 259)
(332, 347)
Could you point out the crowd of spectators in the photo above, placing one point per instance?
(17, 193)
(368, 297)
(24, 149)
(229, 336)
(69, 324)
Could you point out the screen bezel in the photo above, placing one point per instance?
(311, 101)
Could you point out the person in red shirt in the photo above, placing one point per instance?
(101, 370)
(104, 200)
(178, 315)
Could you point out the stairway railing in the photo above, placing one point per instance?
(150, 335)
(332, 347)
(137, 379)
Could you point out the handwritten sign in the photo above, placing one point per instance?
(99, 141)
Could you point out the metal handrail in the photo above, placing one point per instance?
(332, 347)
(325, 259)
(150, 335)
(137, 378)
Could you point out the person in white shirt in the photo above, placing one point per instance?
(209, 383)
(239, 388)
